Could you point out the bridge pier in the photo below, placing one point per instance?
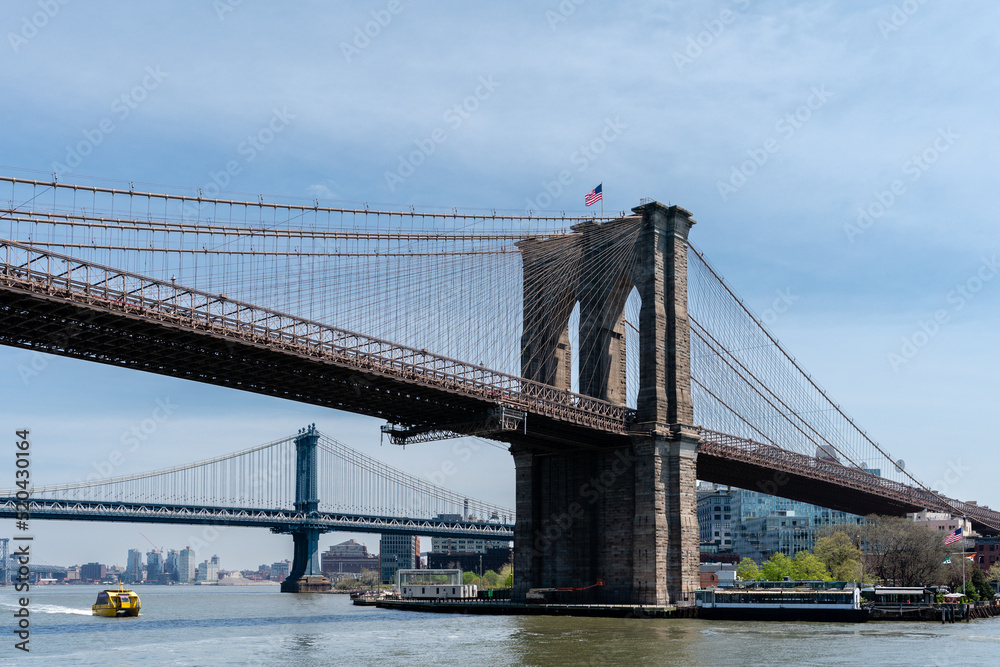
(626, 516)
(306, 575)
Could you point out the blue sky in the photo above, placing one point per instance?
(842, 153)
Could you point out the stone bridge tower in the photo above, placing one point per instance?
(624, 515)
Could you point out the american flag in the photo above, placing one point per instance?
(951, 538)
(593, 196)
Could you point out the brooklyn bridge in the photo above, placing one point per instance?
(608, 354)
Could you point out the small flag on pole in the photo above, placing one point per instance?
(593, 196)
(947, 561)
(951, 538)
(971, 557)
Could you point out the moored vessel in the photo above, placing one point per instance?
(784, 601)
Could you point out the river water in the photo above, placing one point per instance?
(200, 625)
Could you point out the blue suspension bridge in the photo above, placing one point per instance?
(581, 342)
(302, 485)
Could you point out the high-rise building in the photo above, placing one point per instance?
(154, 566)
(186, 565)
(133, 568)
(170, 565)
(397, 552)
(756, 525)
(154, 563)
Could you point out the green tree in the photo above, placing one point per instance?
(971, 592)
(469, 578)
(490, 579)
(983, 588)
(807, 566)
(840, 556)
(747, 570)
(994, 573)
(507, 575)
(777, 567)
(804, 566)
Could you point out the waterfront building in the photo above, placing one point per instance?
(154, 566)
(208, 571)
(280, 570)
(784, 531)
(986, 551)
(756, 525)
(397, 552)
(133, 568)
(462, 545)
(93, 571)
(465, 545)
(492, 558)
(186, 565)
(715, 517)
(943, 522)
(717, 574)
(348, 557)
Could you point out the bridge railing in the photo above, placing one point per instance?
(30, 269)
(777, 458)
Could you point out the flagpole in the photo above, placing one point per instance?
(963, 554)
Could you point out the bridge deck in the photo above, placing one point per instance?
(60, 305)
(726, 459)
(279, 521)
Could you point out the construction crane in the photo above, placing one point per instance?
(155, 548)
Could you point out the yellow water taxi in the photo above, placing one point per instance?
(119, 602)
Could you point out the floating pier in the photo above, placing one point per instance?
(504, 607)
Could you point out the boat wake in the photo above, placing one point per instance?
(53, 609)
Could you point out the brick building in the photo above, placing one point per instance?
(986, 551)
(93, 571)
(348, 557)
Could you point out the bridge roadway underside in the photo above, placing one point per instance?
(38, 322)
(797, 486)
(53, 325)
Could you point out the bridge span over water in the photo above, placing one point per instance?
(303, 485)
(596, 348)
